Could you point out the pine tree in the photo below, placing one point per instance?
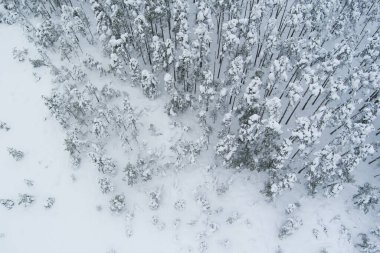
(235, 78)
(74, 22)
(105, 164)
(322, 170)
(180, 12)
(366, 197)
(135, 71)
(47, 34)
(103, 22)
(149, 84)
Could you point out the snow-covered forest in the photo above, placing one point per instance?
(190, 126)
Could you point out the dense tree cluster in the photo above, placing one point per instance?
(286, 87)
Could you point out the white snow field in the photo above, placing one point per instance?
(202, 208)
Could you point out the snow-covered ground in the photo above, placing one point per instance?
(202, 208)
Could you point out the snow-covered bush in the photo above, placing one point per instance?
(186, 151)
(289, 227)
(366, 245)
(26, 200)
(117, 203)
(4, 126)
(292, 207)
(155, 199)
(203, 202)
(106, 186)
(29, 182)
(233, 217)
(131, 174)
(18, 155)
(20, 54)
(7, 203)
(105, 164)
(376, 232)
(180, 205)
(109, 93)
(49, 202)
(156, 221)
(37, 63)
